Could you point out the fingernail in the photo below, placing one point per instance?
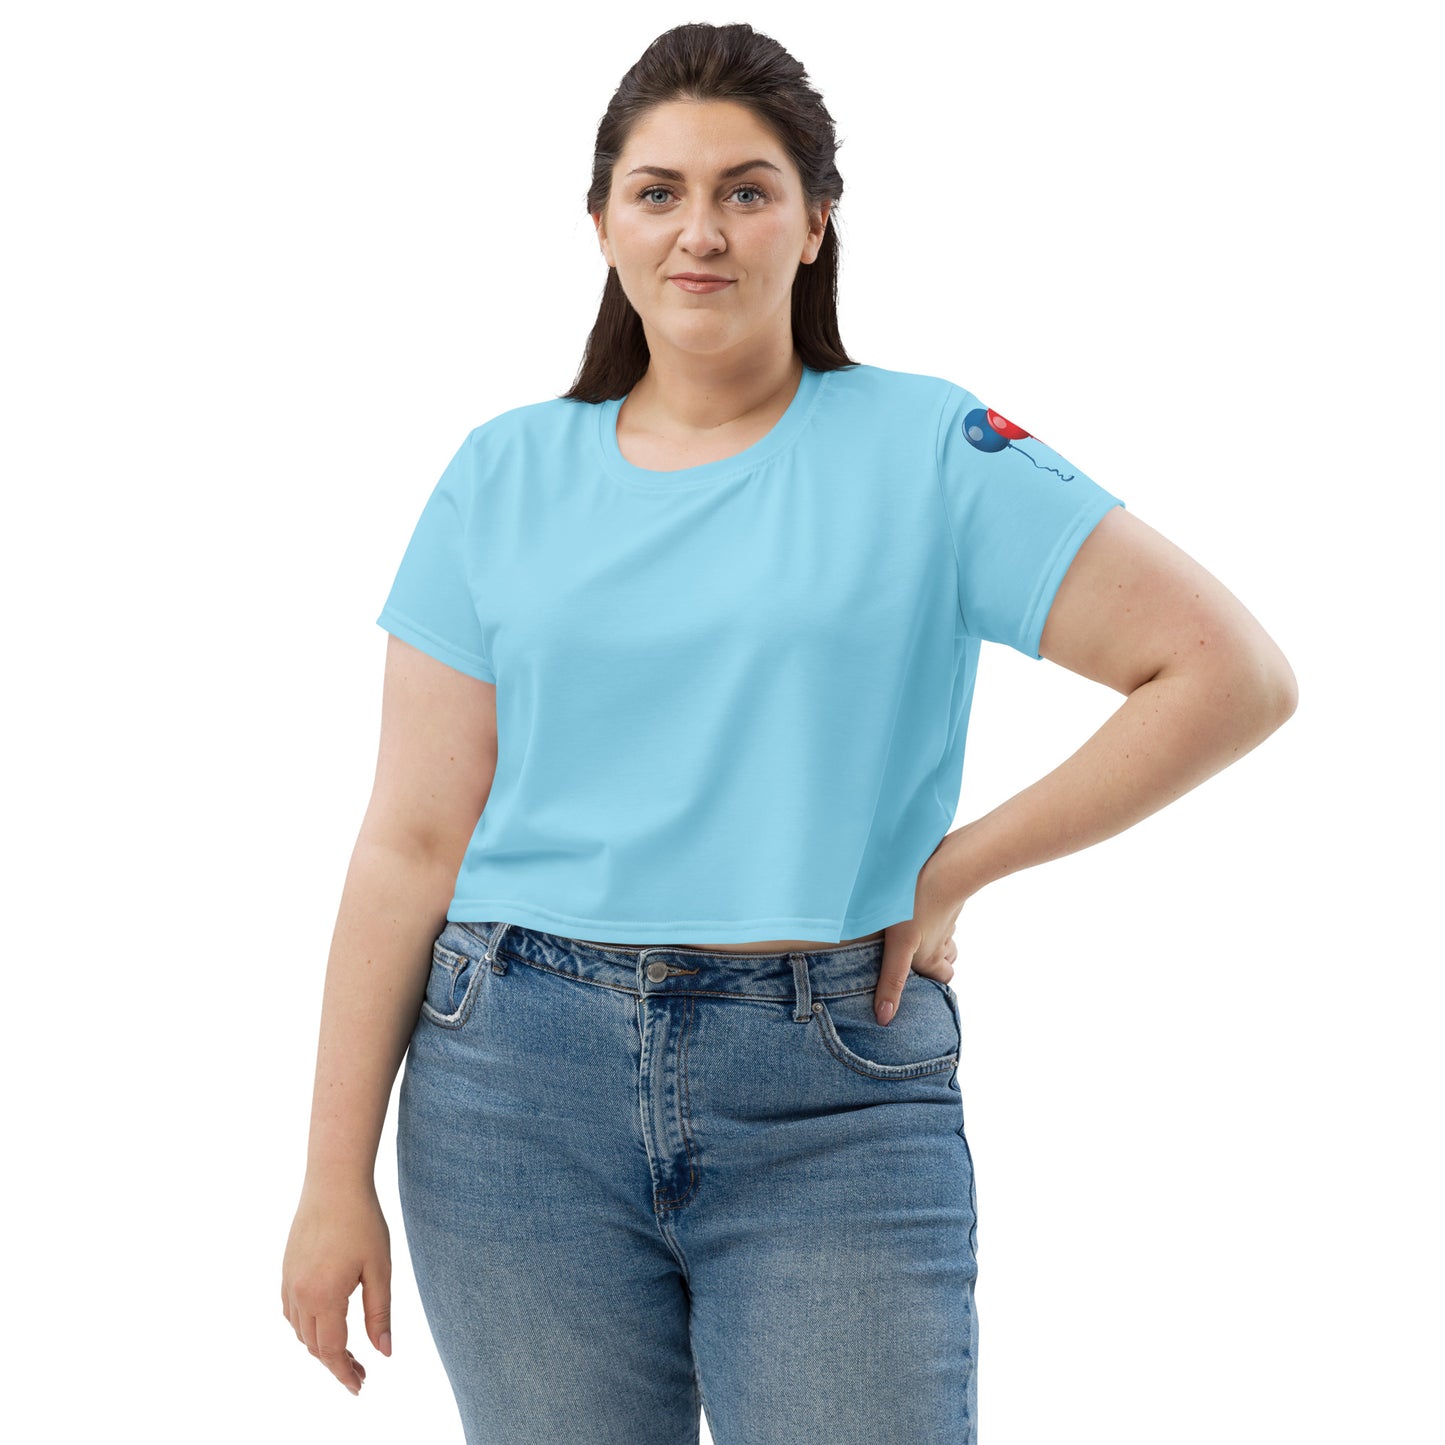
(885, 1010)
(386, 1342)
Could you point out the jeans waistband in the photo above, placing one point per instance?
(653, 968)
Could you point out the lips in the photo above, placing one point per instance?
(697, 276)
(709, 287)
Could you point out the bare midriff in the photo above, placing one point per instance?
(775, 945)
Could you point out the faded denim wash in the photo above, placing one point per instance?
(643, 1182)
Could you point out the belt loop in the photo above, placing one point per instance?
(802, 989)
(491, 954)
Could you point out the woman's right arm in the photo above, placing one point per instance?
(434, 770)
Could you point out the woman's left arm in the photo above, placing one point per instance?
(1203, 684)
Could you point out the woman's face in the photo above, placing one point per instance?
(732, 206)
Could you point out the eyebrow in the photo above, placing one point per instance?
(671, 175)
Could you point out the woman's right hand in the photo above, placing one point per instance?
(339, 1238)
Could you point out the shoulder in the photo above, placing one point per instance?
(901, 393)
(531, 418)
(557, 425)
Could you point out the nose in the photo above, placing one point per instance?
(702, 233)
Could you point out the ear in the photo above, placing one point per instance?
(599, 221)
(816, 230)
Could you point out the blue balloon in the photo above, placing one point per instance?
(980, 434)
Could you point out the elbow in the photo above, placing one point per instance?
(1277, 688)
(1286, 692)
(1265, 690)
(1243, 692)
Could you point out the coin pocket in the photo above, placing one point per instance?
(451, 986)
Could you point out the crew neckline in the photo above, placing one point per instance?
(780, 434)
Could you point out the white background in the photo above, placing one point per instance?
(266, 265)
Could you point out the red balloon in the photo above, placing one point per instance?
(1004, 427)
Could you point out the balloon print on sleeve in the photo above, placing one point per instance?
(990, 432)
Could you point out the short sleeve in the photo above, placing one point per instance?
(1018, 512)
(430, 604)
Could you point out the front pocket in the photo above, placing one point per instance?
(923, 1037)
(451, 986)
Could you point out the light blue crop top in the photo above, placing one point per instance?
(732, 699)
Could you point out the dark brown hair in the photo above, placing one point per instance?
(733, 63)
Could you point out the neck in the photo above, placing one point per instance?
(681, 394)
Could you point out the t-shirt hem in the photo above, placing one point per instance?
(611, 930)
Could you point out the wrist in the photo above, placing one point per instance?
(332, 1177)
(955, 868)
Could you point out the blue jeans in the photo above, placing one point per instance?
(640, 1182)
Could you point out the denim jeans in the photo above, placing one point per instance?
(640, 1182)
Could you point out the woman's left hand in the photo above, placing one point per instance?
(923, 943)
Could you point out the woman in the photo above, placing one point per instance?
(655, 893)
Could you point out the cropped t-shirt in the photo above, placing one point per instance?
(732, 699)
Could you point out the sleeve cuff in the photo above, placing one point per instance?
(434, 646)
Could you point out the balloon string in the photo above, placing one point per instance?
(1054, 470)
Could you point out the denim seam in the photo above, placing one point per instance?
(666, 1202)
(953, 1083)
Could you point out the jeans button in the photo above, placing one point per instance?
(657, 972)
